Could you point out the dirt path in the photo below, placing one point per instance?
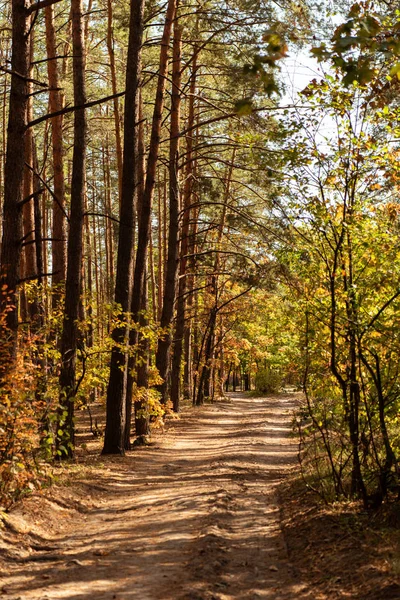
(194, 517)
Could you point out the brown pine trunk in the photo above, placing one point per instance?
(142, 421)
(142, 366)
(152, 280)
(28, 216)
(117, 122)
(164, 343)
(160, 277)
(191, 327)
(73, 287)
(89, 281)
(38, 235)
(144, 224)
(13, 180)
(58, 245)
(181, 301)
(114, 441)
(108, 226)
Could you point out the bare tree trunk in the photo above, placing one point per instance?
(108, 225)
(73, 287)
(13, 179)
(142, 420)
(28, 216)
(114, 441)
(38, 227)
(181, 302)
(164, 342)
(191, 333)
(58, 245)
(144, 224)
(152, 279)
(141, 374)
(111, 54)
(160, 277)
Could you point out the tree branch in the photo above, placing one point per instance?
(69, 109)
(28, 79)
(39, 5)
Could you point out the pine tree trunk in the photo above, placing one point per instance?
(73, 287)
(141, 372)
(160, 270)
(181, 301)
(191, 327)
(142, 421)
(114, 441)
(110, 48)
(58, 244)
(146, 203)
(164, 342)
(13, 180)
(28, 216)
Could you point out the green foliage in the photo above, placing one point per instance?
(344, 269)
(364, 47)
(268, 381)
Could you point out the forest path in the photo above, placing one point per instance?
(193, 517)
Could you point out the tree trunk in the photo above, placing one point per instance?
(146, 201)
(141, 374)
(28, 310)
(164, 342)
(118, 143)
(181, 301)
(142, 420)
(58, 244)
(114, 440)
(13, 180)
(73, 288)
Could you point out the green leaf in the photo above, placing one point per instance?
(244, 107)
(395, 70)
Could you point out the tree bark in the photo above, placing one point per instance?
(13, 179)
(138, 370)
(58, 245)
(181, 301)
(28, 217)
(114, 440)
(111, 54)
(73, 287)
(164, 342)
(146, 202)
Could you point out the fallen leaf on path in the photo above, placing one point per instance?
(273, 568)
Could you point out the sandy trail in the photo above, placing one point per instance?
(194, 517)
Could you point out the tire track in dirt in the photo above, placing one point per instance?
(194, 517)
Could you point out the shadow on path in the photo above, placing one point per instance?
(194, 517)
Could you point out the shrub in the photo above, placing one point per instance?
(268, 381)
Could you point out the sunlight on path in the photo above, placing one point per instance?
(193, 518)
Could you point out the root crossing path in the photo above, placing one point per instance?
(194, 517)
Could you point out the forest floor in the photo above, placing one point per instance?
(212, 509)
